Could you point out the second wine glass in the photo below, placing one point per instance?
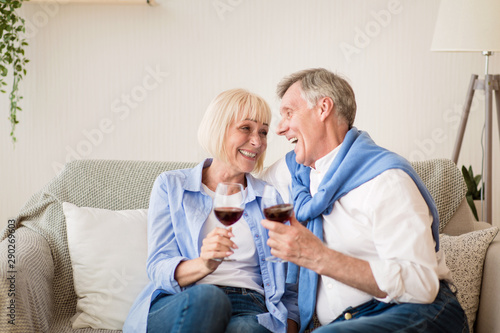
(229, 204)
(275, 211)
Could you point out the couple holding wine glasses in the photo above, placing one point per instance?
(211, 277)
(229, 202)
(364, 262)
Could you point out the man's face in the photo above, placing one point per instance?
(301, 125)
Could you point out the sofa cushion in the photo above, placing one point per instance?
(107, 184)
(446, 185)
(465, 257)
(108, 251)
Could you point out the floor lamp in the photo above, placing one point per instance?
(473, 26)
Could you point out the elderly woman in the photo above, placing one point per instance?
(191, 289)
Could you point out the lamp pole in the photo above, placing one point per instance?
(490, 85)
(472, 26)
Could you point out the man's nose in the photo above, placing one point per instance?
(282, 127)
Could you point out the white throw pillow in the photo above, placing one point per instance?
(465, 257)
(108, 251)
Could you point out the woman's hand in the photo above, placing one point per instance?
(217, 245)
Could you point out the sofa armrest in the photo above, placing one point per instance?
(26, 282)
(488, 319)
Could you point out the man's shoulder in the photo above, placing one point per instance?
(390, 183)
(392, 176)
(278, 175)
(276, 171)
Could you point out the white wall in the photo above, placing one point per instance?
(86, 60)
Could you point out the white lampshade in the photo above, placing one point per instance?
(467, 25)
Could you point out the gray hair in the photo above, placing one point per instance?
(317, 83)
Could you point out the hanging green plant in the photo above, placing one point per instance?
(12, 55)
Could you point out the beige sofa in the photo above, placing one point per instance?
(45, 299)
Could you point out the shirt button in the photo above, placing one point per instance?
(329, 286)
(347, 316)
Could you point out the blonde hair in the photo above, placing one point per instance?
(228, 107)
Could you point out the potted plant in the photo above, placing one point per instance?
(12, 56)
(474, 188)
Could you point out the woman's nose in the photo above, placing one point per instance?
(256, 140)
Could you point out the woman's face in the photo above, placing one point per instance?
(246, 141)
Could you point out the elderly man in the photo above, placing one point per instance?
(369, 257)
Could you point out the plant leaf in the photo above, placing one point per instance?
(472, 206)
(468, 180)
(12, 54)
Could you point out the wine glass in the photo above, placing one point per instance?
(275, 211)
(229, 203)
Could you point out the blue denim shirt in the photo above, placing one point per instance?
(178, 208)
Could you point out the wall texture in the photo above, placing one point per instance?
(132, 82)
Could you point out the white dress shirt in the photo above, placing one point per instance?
(386, 222)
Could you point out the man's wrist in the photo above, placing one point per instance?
(324, 260)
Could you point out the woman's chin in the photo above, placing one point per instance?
(248, 167)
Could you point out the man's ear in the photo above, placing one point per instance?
(326, 107)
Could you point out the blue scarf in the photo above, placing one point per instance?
(359, 160)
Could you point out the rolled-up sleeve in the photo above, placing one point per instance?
(406, 268)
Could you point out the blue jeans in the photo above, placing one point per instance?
(207, 308)
(443, 315)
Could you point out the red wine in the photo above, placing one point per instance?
(279, 213)
(228, 215)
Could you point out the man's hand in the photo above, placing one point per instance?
(294, 243)
(299, 245)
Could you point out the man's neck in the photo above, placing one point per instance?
(335, 135)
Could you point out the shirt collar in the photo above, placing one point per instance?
(193, 181)
(323, 164)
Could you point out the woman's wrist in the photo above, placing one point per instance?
(191, 271)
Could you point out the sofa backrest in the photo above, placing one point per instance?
(110, 184)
